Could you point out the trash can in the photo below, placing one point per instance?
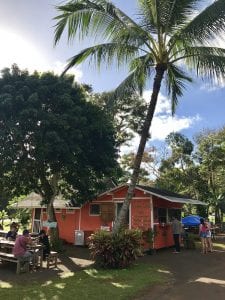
(79, 238)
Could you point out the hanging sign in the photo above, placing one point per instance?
(50, 224)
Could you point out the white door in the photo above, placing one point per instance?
(37, 220)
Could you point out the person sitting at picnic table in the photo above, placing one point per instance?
(11, 235)
(20, 248)
(43, 239)
(15, 224)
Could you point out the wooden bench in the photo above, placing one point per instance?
(21, 264)
(3, 233)
(52, 259)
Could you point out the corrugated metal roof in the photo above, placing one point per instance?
(169, 196)
(33, 200)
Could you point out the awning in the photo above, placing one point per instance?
(34, 200)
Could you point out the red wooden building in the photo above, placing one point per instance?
(150, 208)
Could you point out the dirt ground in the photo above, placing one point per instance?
(189, 274)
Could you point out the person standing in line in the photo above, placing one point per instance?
(209, 236)
(176, 230)
(203, 235)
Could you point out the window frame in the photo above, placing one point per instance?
(93, 214)
(167, 216)
(69, 211)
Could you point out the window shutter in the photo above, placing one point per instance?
(107, 212)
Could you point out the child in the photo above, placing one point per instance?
(209, 236)
(11, 235)
(43, 239)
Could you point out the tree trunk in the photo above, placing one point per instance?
(51, 193)
(217, 215)
(53, 232)
(160, 69)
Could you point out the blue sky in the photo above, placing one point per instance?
(26, 34)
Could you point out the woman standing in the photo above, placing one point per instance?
(203, 233)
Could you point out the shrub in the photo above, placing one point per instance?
(115, 250)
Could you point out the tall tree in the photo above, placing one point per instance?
(180, 173)
(127, 113)
(211, 159)
(198, 174)
(167, 36)
(51, 139)
(149, 166)
(177, 168)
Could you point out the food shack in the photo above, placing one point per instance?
(150, 209)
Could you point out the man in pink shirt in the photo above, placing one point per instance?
(20, 249)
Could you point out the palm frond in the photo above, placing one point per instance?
(207, 24)
(166, 14)
(104, 54)
(209, 62)
(179, 12)
(92, 17)
(175, 83)
(140, 70)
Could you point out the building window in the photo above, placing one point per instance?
(37, 214)
(164, 215)
(57, 210)
(160, 215)
(94, 209)
(174, 213)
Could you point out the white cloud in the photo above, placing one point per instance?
(212, 88)
(131, 146)
(163, 104)
(15, 49)
(57, 67)
(163, 123)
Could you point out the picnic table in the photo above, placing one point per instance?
(3, 233)
(6, 254)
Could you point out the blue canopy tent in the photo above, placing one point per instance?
(191, 221)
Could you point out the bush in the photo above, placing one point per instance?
(115, 250)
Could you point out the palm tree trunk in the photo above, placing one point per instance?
(160, 69)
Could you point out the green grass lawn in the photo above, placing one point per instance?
(87, 284)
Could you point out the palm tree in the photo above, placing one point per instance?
(168, 39)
